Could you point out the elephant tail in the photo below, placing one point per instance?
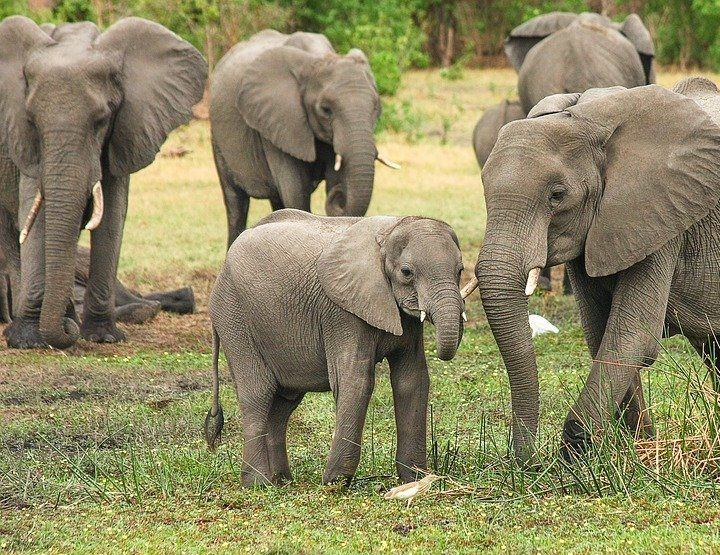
(214, 420)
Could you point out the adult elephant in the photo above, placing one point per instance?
(623, 186)
(565, 52)
(287, 112)
(80, 111)
(131, 307)
(488, 126)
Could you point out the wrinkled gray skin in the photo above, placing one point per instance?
(622, 186)
(281, 107)
(488, 126)
(564, 52)
(130, 306)
(312, 303)
(78, 106)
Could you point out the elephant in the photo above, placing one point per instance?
(287, 112)
(623, 186)
(80, 110)
(130, 306)
(313, 303)
(488, 126)
(564, 52)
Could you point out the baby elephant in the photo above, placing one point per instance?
(312, 303)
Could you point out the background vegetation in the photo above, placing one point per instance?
(396, 34)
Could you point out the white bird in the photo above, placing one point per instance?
(407, 492)
(540, 325)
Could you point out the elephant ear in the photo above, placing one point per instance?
(271, 102)
(162, 78)
(553, 104)
(636, 32)
(556, 103)
(661, 173)
(19, 38)
(523, 37)
(351, 272)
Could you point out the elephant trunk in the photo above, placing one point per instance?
(66, 194)
(446, 311)
(502, 274)
(357, 148)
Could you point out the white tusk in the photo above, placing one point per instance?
(469, 287)
(464, 316)
(388, 163)
(422, 316)
(338, 162)
(30, 220)
(532, 281)
(97, 212)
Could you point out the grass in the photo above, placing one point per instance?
(101, 448)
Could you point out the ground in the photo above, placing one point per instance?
(101, 446)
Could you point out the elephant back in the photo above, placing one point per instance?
(584, 55)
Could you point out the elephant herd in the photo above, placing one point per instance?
(595, 168)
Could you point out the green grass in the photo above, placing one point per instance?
(101, 448)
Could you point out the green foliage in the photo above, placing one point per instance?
(401, 118)
(386, 31)
(73, 10)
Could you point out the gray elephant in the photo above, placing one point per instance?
(488, 126)
(130, 306)
(622, 186)
(287, 112)
(312, 303)
(565, 52)
(80, 111)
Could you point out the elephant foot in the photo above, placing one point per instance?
(575, 441)
(137, 313)
(180, 301)
(24, 333)
(101, 330)
(252, 479)
(331, 478)
(409, 473)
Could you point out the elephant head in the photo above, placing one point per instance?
(77, 107)
(524, 37)
(611, 176)
(381, 265)
(294, 99)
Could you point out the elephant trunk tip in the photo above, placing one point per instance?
(61, 336)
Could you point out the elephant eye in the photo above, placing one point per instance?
(556, 197)
(326, 110)
(406, 271)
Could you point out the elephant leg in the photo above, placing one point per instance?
(276, 204)
(630, 342)
(24, 331)
(256, 390)
(709, 349)
(237, 201)
(292, 178)
(180, 301)
(634, 410)
(283, 405)
(98, 323)
(410, 386)
(5, 316)
(352, 382)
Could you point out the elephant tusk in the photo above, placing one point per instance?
(97, 212)
(469, 287)
(338, 162)
(30, 220)
(532, 281)
(388, 163)
(422, 316)
(464, 316)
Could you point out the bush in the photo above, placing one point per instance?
(386, 31)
